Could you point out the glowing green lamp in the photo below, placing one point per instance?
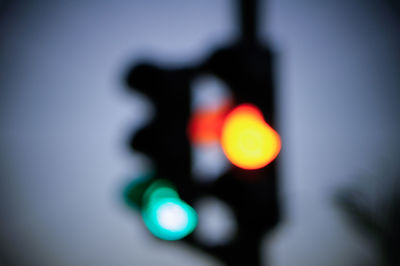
(164, 213)
(169, 218)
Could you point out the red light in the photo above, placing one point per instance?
(205, 125)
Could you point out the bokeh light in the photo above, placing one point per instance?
(169, 218)
(247, 140)
(205, 125)
(158, 189)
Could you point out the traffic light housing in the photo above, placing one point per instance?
(250, 190)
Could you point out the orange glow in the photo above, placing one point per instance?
(205, 125)
(247, 140)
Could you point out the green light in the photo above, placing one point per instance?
(164, 213)
(133, 192)
(159, 189)
(169, 218)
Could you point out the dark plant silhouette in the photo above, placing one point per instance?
(376, 214)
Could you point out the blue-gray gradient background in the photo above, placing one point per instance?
(65, 117)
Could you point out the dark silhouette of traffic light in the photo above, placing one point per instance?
(247, 68)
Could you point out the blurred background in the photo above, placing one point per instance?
(66, 116)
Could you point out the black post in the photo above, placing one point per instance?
(248, 15)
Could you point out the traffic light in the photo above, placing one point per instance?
(243, 125)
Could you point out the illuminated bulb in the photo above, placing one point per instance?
(205, 124)
(160, 189)
(172, 217)
(247, 140)
(165, 215)
(169, 218)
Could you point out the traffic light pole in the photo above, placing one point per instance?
(246, 67)
(248, 16)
